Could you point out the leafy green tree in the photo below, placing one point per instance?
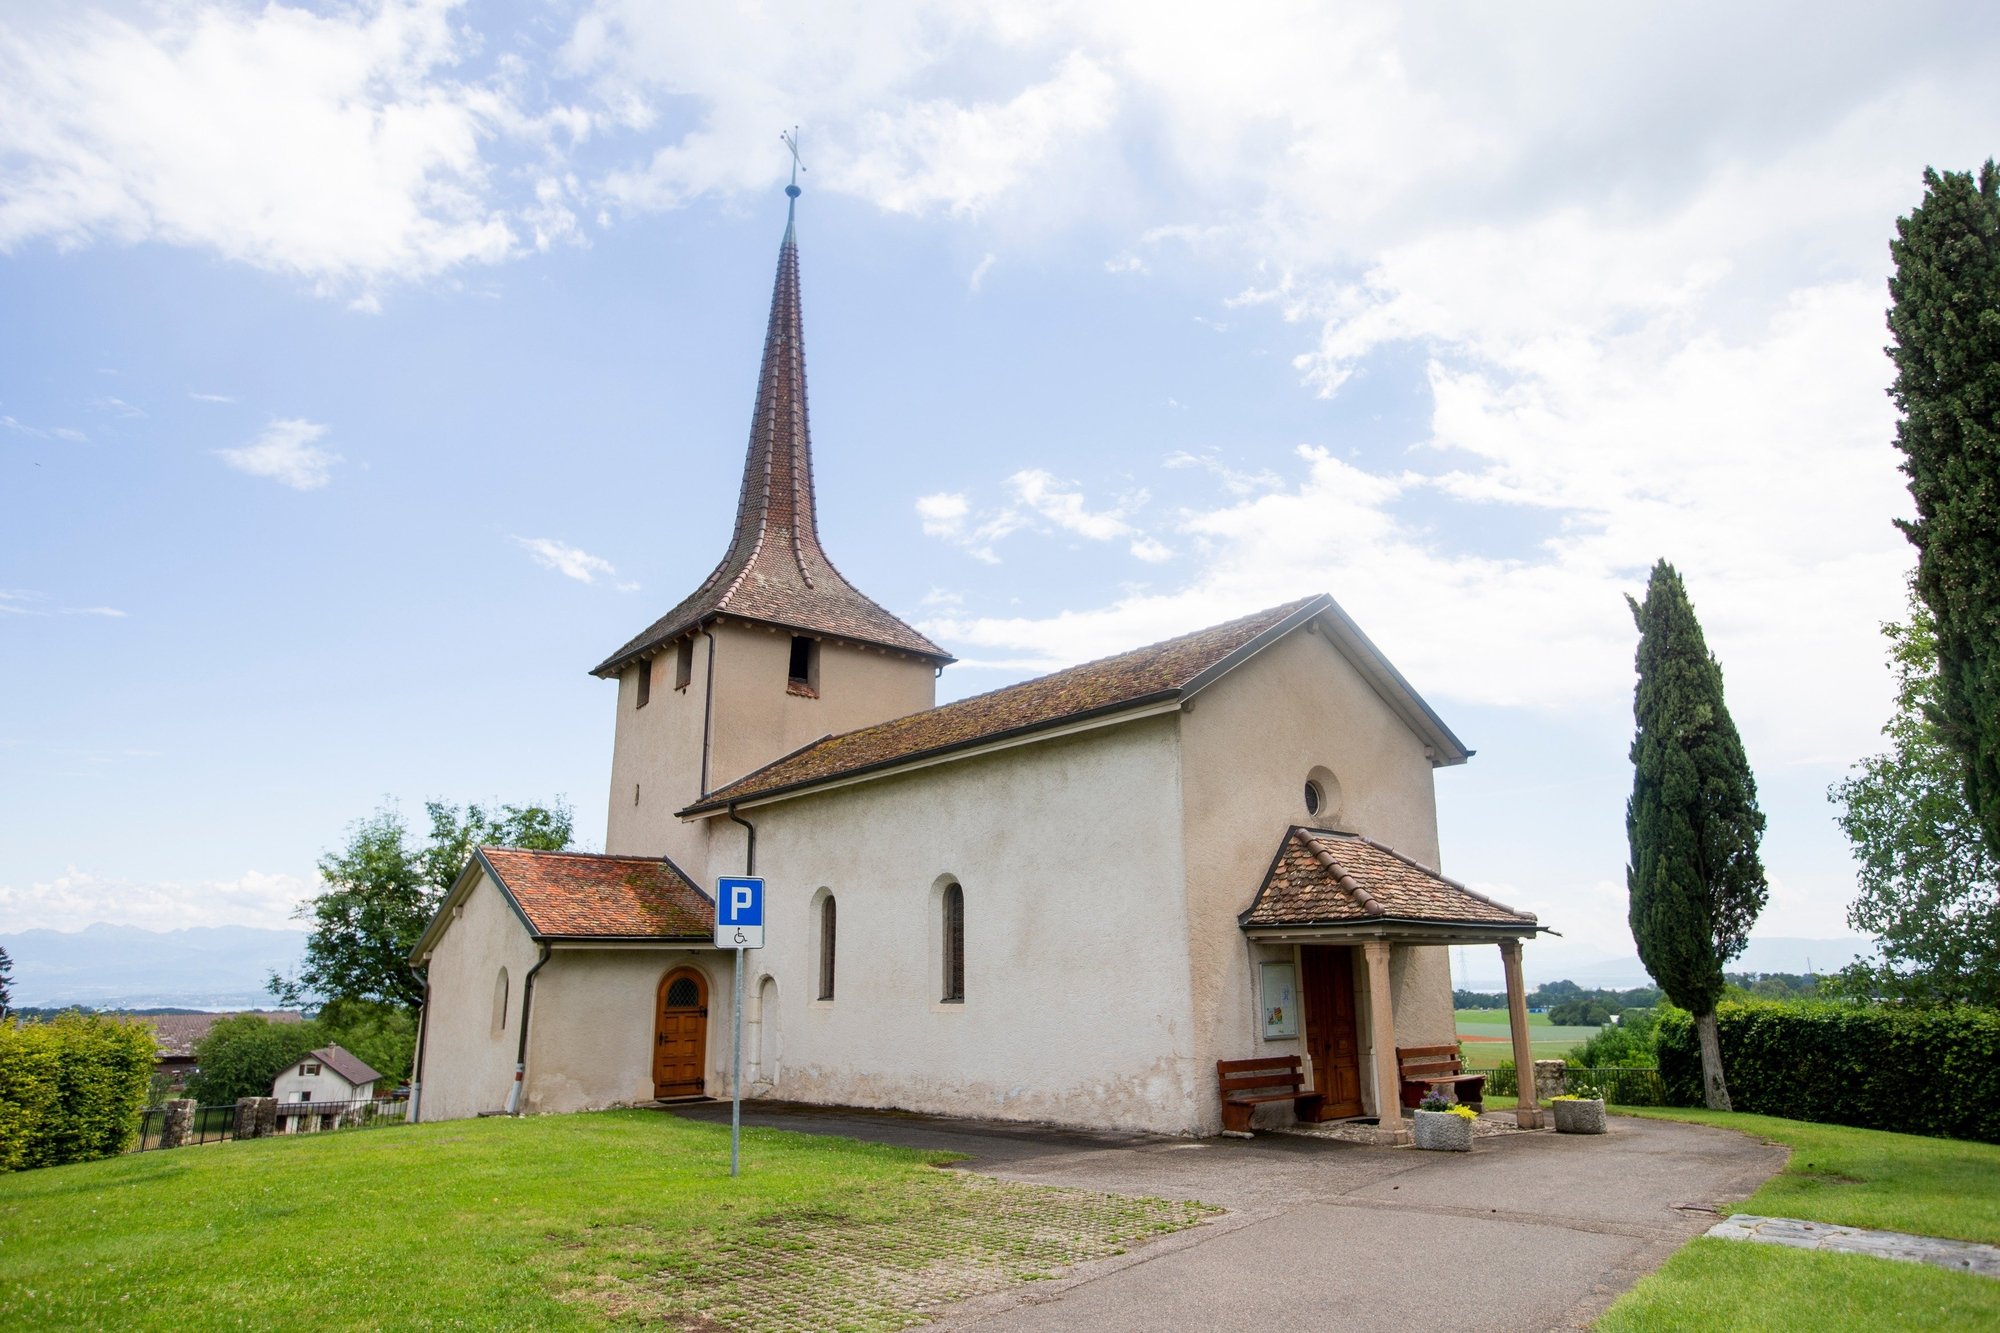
(241, 1054)
(383, 1035)
(1695, 881)
(1946, 326)
(1929, 879)
(382, 890)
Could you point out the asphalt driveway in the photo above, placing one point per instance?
(1528, 1231)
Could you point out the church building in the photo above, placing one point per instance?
(1061, 901)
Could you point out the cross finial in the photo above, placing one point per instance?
(791, 139)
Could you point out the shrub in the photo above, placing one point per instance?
(1501, 1081)
(240, 1056)
(1916, 1071)
(71, 1089)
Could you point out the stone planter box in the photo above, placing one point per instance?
(1442, 1131)
(1579, 1116)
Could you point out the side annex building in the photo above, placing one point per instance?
(1060, 901)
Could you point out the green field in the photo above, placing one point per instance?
(617, 1219)
(1483, 1026)
(1856, 1177)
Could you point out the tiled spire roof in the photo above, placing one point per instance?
(775, 570)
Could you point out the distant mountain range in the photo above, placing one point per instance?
(125, 967)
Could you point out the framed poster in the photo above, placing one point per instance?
(1281, 1001)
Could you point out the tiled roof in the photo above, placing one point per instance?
(1160, 671)
(775, 570)
(1325, 878)
(584, 895)
(346, 1064)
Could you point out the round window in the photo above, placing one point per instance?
(1322, 795)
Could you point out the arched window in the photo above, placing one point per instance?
(500, 1002)
(826, 923)
(954, 944)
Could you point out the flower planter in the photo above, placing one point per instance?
(1442, 1131)
(1579, 1115)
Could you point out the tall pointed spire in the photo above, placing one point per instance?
(775, 571)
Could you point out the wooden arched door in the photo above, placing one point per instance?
(680, 1034)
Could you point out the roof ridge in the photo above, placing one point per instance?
(1342, 880)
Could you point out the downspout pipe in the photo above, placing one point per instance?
(750, 855)
(521, 1055)
(423, 1035)
(707, 708)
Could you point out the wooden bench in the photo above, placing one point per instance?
(1248, 1084)
(1422, 1068)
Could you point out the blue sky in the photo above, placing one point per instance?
(368, 371)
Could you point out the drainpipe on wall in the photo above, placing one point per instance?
(707, 708)
(521, 1055)
(423, 1031)
(750, 855)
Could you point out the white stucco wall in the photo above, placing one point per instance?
(1251, 740)
(468, 1063)
(1076, 1007)
(590, 1038)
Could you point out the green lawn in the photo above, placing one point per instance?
(1496, 1018)
(1857, 1177)
(619, 1219)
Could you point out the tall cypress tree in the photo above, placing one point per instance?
(1946, 325)
(1695, 880)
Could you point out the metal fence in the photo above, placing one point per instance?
(216, 1124)
(1622, 1085)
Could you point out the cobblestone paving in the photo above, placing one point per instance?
(887, 1263)
(1959, 1255)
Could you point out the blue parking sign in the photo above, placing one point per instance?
(739, 912)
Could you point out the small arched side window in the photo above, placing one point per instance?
(500, 1002)
(826, 948)
(954, 944)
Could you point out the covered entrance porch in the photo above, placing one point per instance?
(1351, 907)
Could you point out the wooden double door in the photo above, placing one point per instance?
(680, 1034)
(1326, 983)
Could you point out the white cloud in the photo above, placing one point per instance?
(110, 611)
(979, 273)
(210, 397)
(570, 561)
(287, 454)
(77, 898)
(334, 145)
(1038, 500)
(21, 602)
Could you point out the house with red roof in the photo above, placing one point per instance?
(1061, 901)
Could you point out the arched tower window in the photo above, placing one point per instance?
(954, 944)
(826, 954)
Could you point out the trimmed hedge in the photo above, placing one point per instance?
(1915, 1071)
(71, 1089)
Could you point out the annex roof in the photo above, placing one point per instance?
(589, 895)
(775, 571)
(346, 1064)
(1326, 877)
(1161, 674)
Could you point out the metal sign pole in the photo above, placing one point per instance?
(736, 1076)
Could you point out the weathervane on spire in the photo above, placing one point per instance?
(792, 142)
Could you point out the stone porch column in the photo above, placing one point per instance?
(1382, 1031)
(1528, 1114)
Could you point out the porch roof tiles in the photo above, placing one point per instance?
(1326, 877)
